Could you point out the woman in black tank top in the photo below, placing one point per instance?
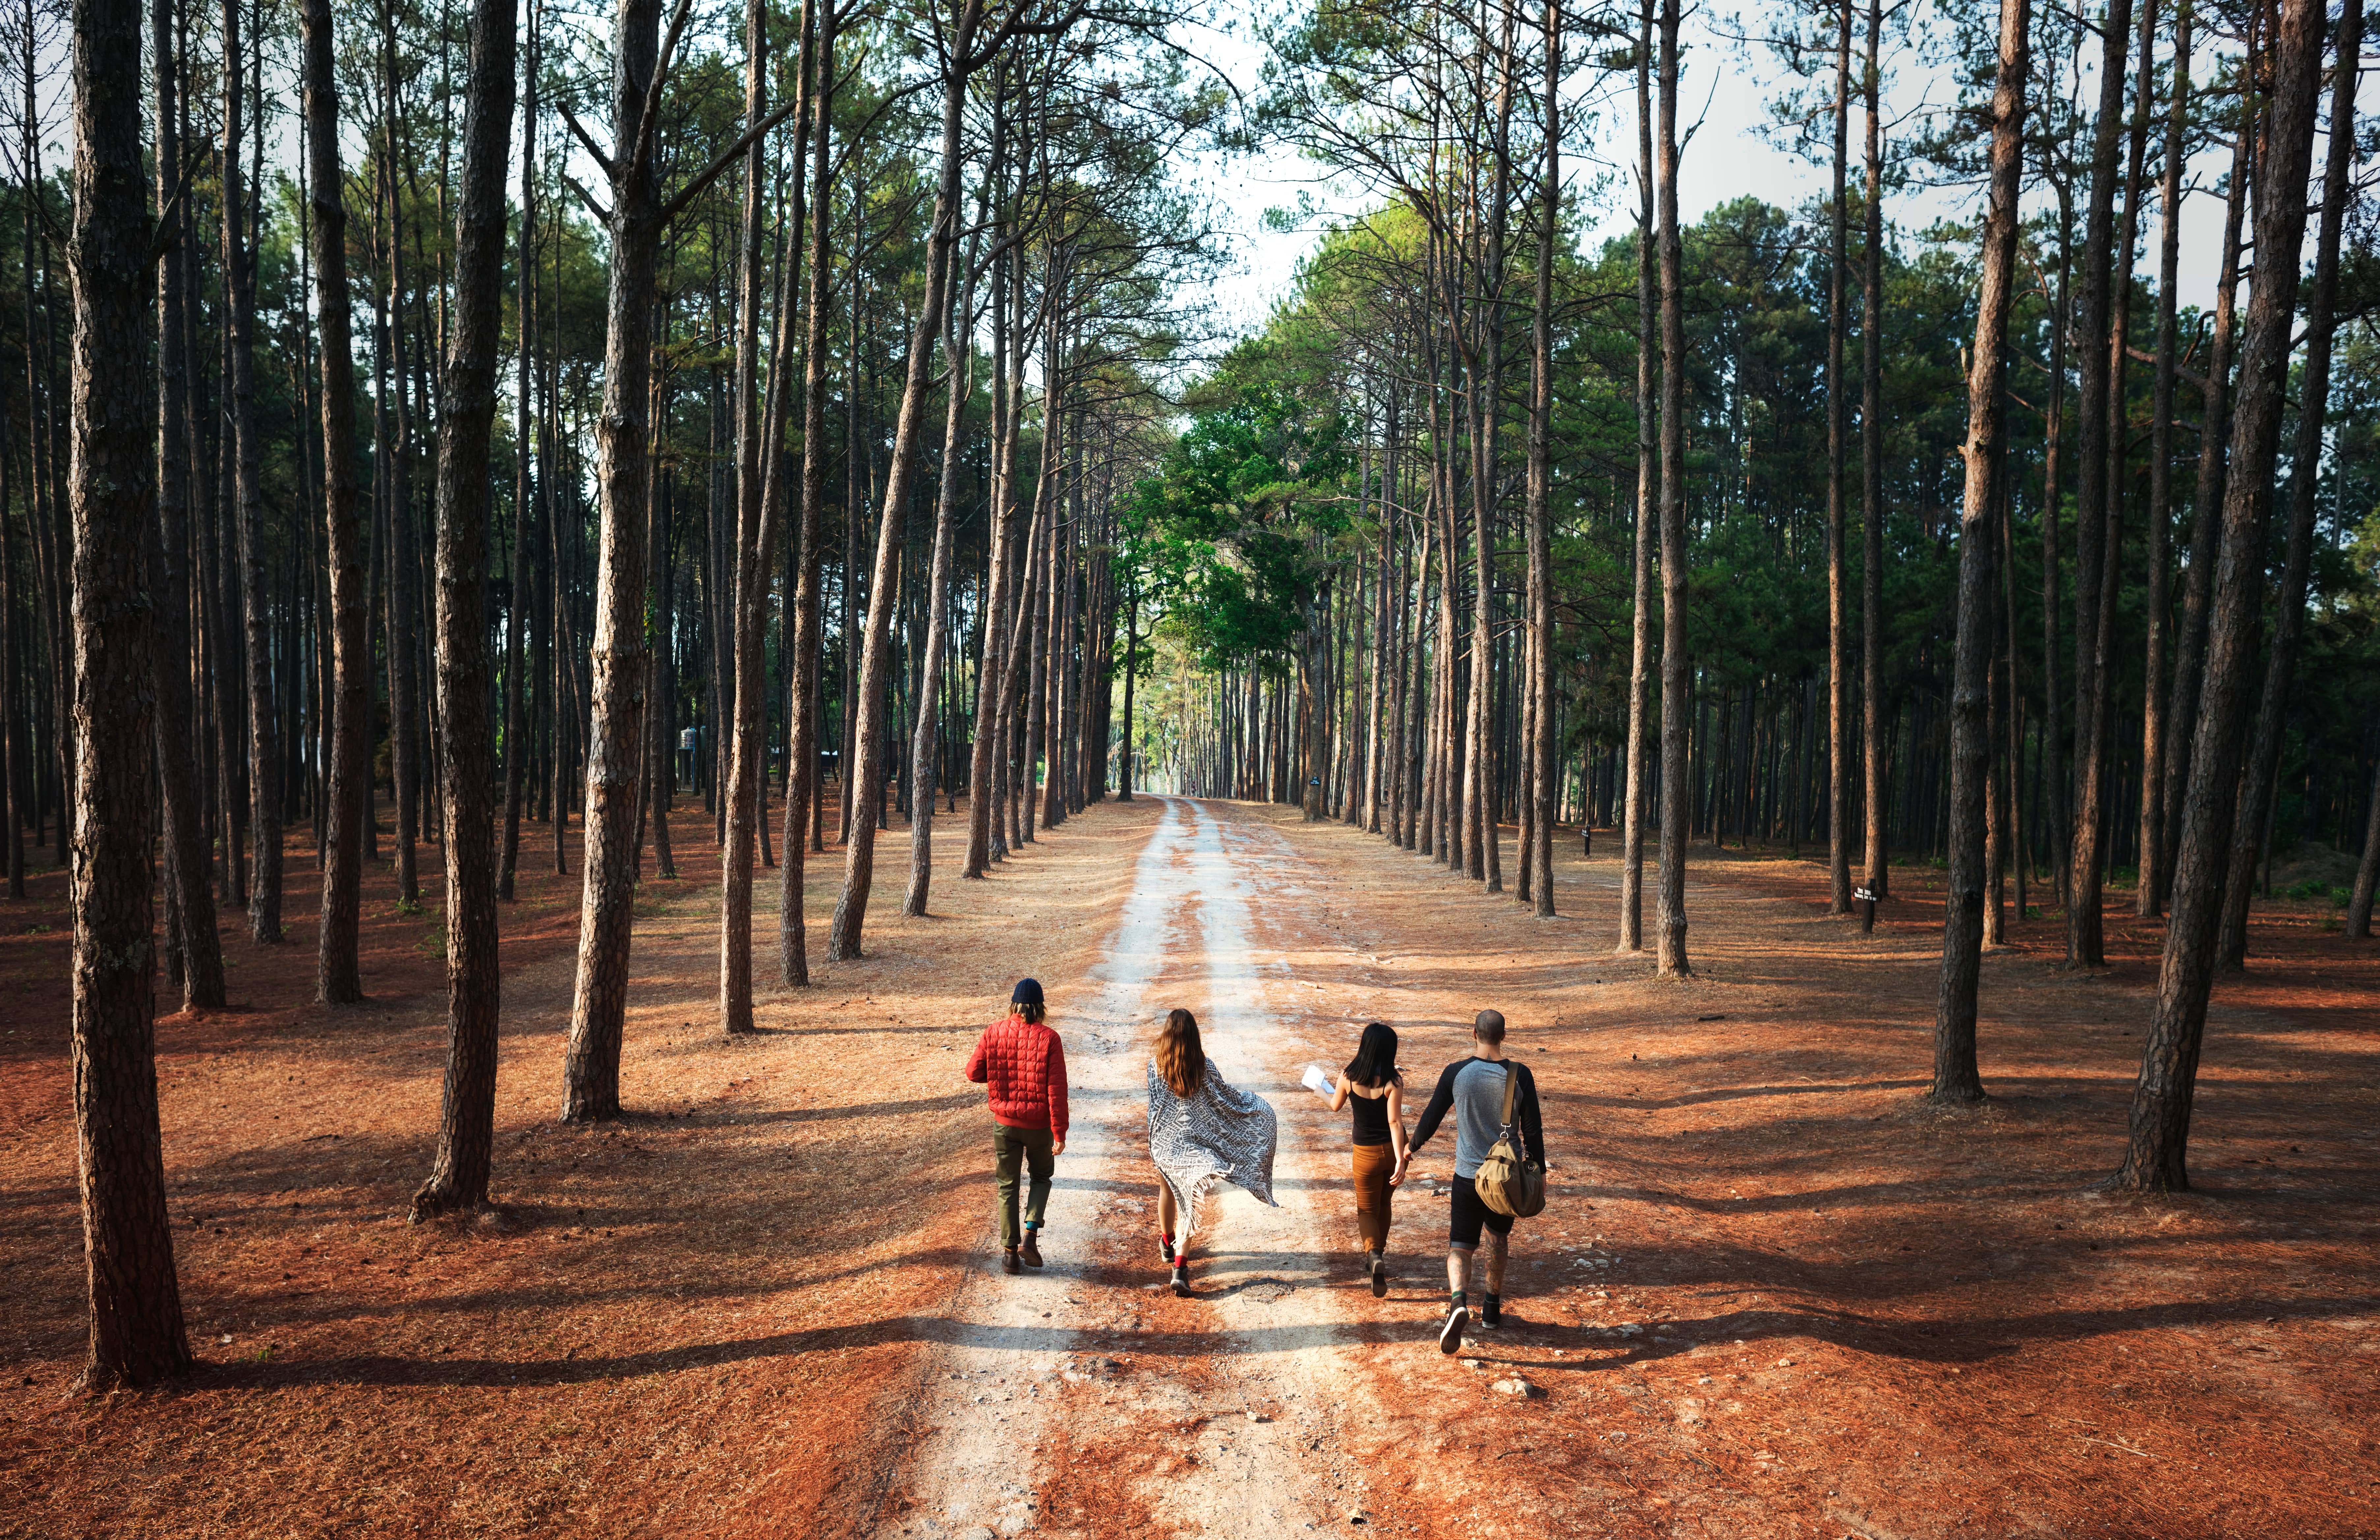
(1371, 1086)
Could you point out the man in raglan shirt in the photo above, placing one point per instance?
(1472, 1089)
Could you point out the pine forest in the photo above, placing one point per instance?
(721, 535)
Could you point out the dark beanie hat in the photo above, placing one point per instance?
(1028, 993)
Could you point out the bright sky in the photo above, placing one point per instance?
(1727, 157)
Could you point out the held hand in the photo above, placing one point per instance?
(1057, 1147)
(1397, 1177)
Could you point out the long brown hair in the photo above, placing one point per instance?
(1180, 1061)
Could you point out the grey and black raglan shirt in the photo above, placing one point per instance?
(1474, 1090)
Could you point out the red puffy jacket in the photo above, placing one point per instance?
(1024, 1066)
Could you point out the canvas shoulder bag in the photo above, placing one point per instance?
(1507, 1183)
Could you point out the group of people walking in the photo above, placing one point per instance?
(1203, 1132)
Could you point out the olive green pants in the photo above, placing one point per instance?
(1028, 1148)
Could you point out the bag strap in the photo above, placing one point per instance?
(1512, 1083)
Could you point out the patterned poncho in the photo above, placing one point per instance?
(1215, 1134)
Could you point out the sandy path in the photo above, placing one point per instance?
(1237, 1419)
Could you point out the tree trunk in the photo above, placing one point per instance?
(136, 1331)
(2259, 784)
(397, 451)
(876, 662)
(938, 602)
(517, 731)
(615, 744)
(1873, 800)
(239, 318)
(1955, 1075)
(1537, 856)
(2053, 739)
(985, 766)
(2205, 522)
(458, 1174)
(2156, 1158)
(803, 807)
(564, 714)
(2084, 946)
(756, 541)
(338, 980)
(1839, 683)
(1676, 789)
(179, 782)
(2367, 871)
(2149, 899)
(1640, 667)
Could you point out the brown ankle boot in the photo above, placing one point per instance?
(1008, 1261)
(1030, 1254)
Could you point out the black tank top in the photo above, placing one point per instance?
(1371, 1118)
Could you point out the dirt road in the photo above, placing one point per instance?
(1774, 1294)
(1233, 1415)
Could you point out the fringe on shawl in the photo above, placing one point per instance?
(1186, 1208)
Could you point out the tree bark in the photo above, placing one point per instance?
(985, 768)
(2156, 1158)
(1537, 856)
(1640, 667)
(239, 318)
(178, 777)
(2367, 871)
(1955, 1075)
(1873, 800)
(136, 1329)
(396, 449)
(2084, 946)
(2148, 900)
(1676, 790)
(1839, 684)
(756, 539)
(2053, 740)
(338, 980)
(803, 793)
(467, 1130)
(615, 742)
(2205, 522)
(938, 600)
(517, 731)
(876, 661)
(2260, 785)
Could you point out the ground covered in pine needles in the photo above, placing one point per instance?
(700, 1320)
(1774, 1292)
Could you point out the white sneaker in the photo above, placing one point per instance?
(1450, 1335)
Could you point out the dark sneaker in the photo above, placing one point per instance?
(1491, 1311)
(1008, 1261)
(1165, 1248)
(1181, 1279)
(1030, 1254)
(1380, 1271)
(1450, 1335)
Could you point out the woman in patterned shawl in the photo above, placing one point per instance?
(1201, 1132)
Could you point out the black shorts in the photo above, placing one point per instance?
(1466, 1214)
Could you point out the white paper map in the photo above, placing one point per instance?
(1317, 1080)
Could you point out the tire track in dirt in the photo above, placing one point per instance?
(1084, 1399)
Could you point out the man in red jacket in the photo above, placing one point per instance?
(1024, 1065)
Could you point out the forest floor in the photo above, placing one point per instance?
(1773, 1293)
